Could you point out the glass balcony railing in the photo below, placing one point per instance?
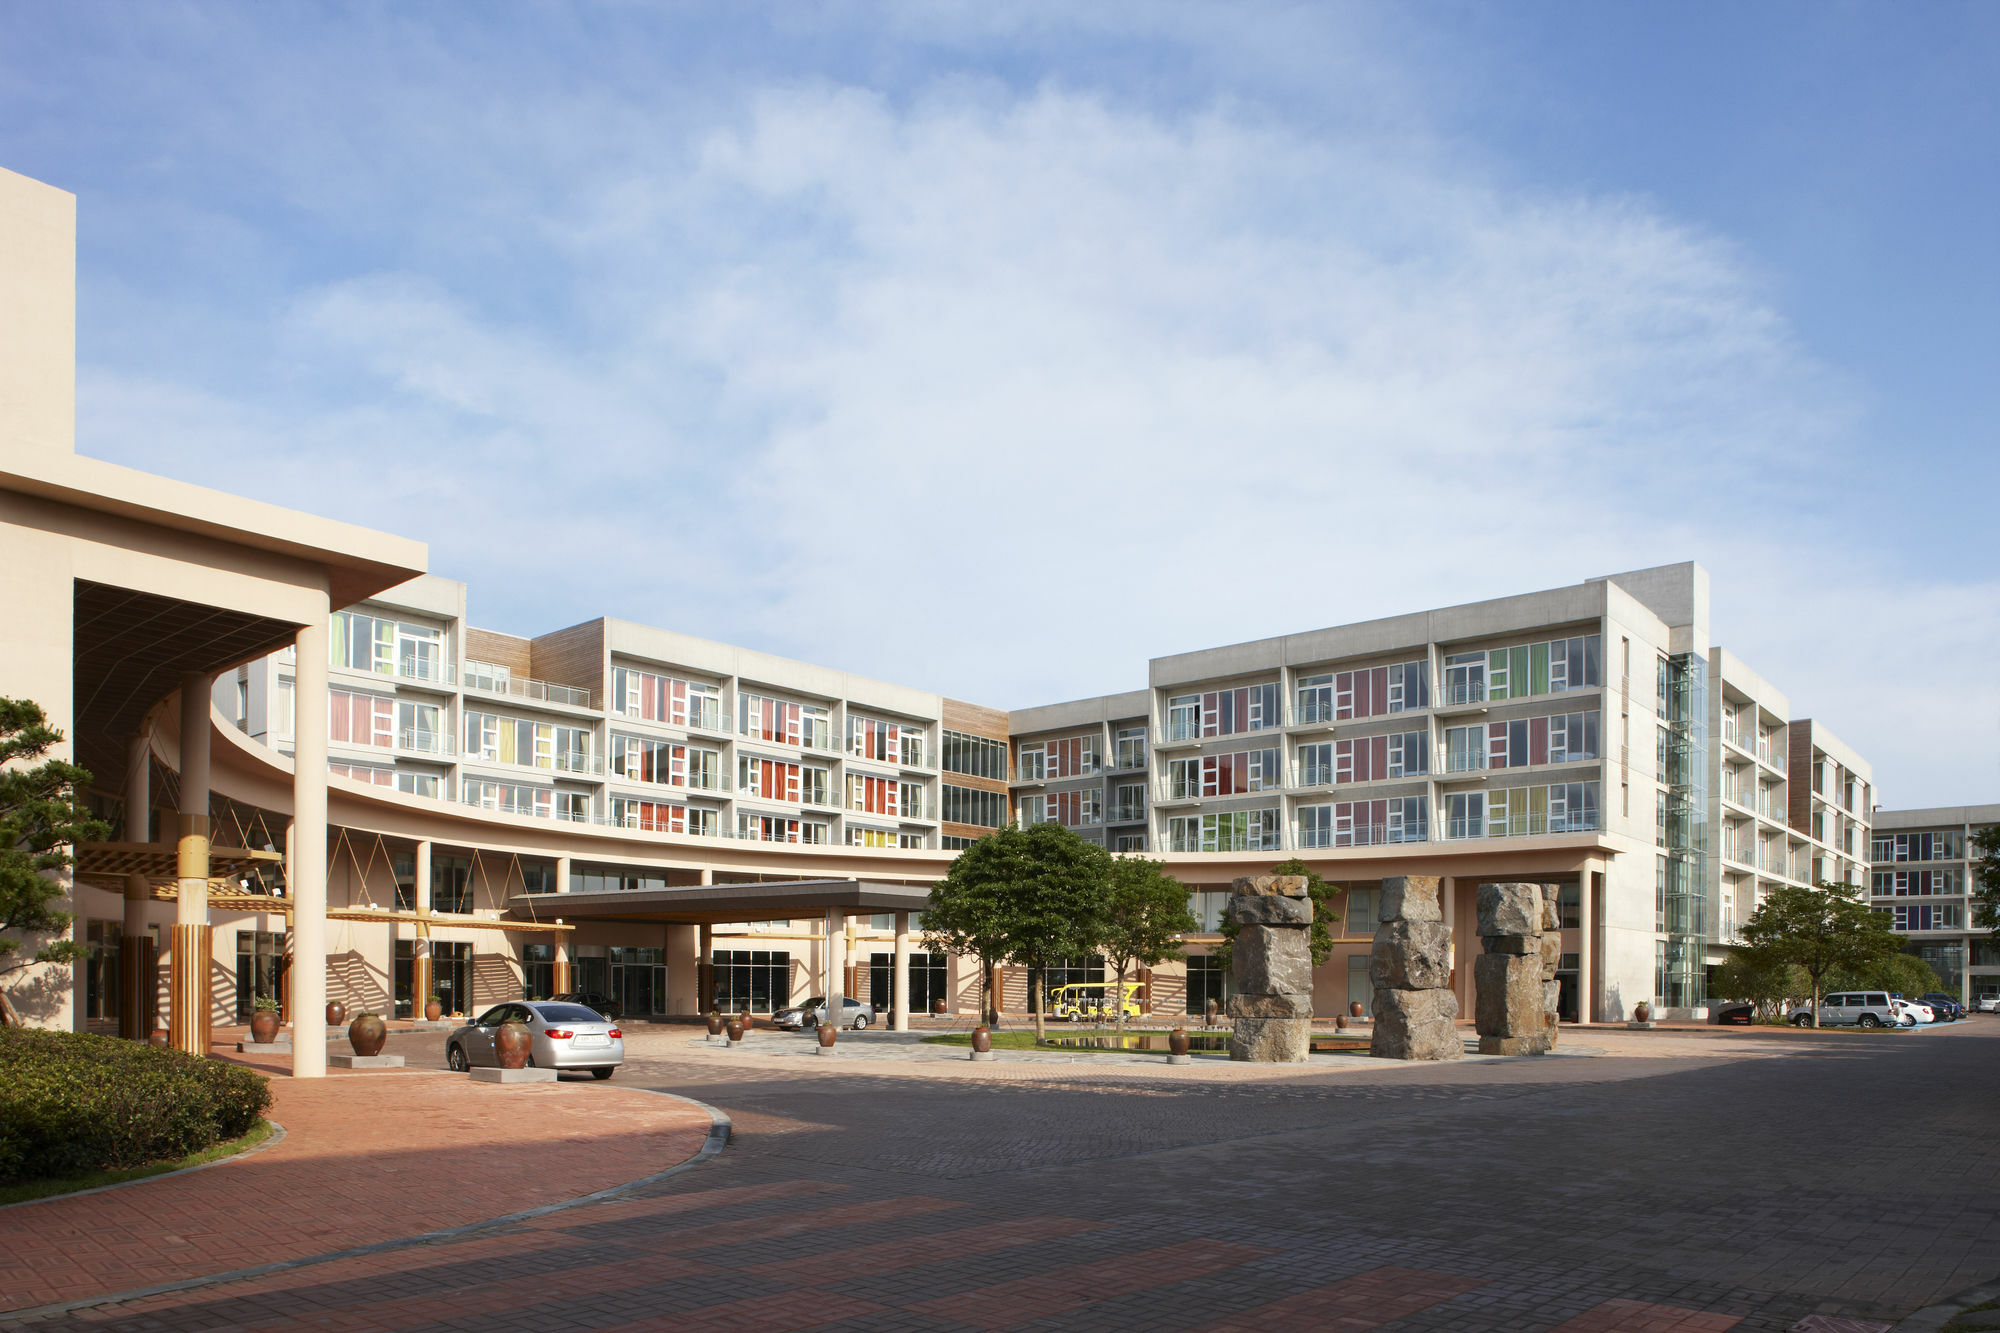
(1362, 835)
(433, 669)
(1128, 814)
(1524, 826)
(577, 761)
(1456, 693)
(1312, 710)
(490, 679)
(417, 740)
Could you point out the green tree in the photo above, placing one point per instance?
(1146, 913)
(1985, 886)
(1029, 896)
(1323, 917)
(1759, 976)
(1821, 930)
(40, 819)
(1905, 974)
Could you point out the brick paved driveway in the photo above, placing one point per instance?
(1671, 1187)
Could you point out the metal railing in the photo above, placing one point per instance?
(1312, 710)
(417, 740)
(1312, 775)
(489, 678)
(579, 761)
(1451, 695)
(1772, 755)
(1128, 814)
(1362, 835)
(1524, 826)
(436, 670)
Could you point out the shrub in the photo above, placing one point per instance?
(72, 1103)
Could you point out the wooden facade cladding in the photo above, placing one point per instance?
(1799, 776)
(574, 657)
(507, 650)
(973, 720)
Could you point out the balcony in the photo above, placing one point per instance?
(1772, 756)
(1128, 814)
(579, 761)
(1312, 711)
(1362, 835)
(488, 678)
(1312, 775)
(1461, 694)
(418, 740)
(432, 670)
(1524, 826)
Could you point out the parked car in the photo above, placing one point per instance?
(1948, 1009)
(1910, 1013)
(1988, 1003)
(811, 1013)
(1736, 1014)
(1868, 1009)
(566, 1036)
(603, 1004)
(1091, 999)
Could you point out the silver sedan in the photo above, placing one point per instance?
(565, 1036)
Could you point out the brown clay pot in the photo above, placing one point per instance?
(367, 1033)
(264, 1026)
(735, 1031)
(336, 1013)
(825, 1033)
(982, 1039)
(513, 1044)
(1354, 1008)
(433, 1010)
(714, 1024)
(1642, 1011)
(1340, 1022)
(937, 1007)
(747, 1021)
(159, 1037)
(1177, 1042)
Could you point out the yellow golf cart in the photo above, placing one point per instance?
(1090, 1001)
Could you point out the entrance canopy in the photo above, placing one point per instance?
(715, 904)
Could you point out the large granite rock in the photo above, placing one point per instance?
(1416, 1025)
(1269, 910)
(1284, 886)
(1410, 955)
(1552, 952)
(1271, 1040)
(1551, 1010)
(1510, 909)
(1270, 1006)
(1535, 1045)
(1508, 991)
(1273, 960)
(1409, 898)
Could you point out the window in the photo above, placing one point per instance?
(1465, 748)
(1542, 668)
(538, 971)
(770, 720)
(1034, 810)
(360, 719)
(870, 739)
(451, 884)
(1232, 831)
(1031, 764)
(1569, 903)
(1562, 807)
(508, 797)
(953, 843)
(1465, 814)
(758, 980)
(260, 962)
(771, 828)
(911, 742)
(1561, 738)
(870, 795)
(608, 879)
(1129, 842)
(1075, 808)
(1206, 981)
(1244, 771)
(772, 779)
(369, 773)
(1465, 678)
(929, 981)
(1926, 916)
(1374, 758)
(1071, 757)
(1918, 847)
(510, 740)
(1314, 702)
(283, 714)
(1184, 778)
(970, 805)
(1247, 708)
(360, 642)
(1206, 906)
(911, 798)
(1914, 883)
(975, 756)
(1128, 802)
(1377, 691)
(573, 806)
(1184, 717)
(656, 698)
(1365, 823)
(1130, 745)
(651, 816)
(418, 784)
(538, 877)
(637, 759)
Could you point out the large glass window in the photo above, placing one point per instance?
(260, 968)
(1232, 831)
(929, 982)
(1378, 691)
(759, 980)
(1374, 758)
(1206, 981)
(975, 756)
(451, 884)
(538, 971)
(451, 976)
(1131, 747)
(970, 805)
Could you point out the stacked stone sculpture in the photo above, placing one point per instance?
(1416, 1014)
(1515, 977)
(1271, 970)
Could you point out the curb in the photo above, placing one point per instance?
(1934, 1317)
(277, 1135)
(720, 1129)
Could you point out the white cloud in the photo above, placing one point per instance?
(1000, 393)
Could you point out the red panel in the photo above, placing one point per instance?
(1379, 692)
(1538, 740)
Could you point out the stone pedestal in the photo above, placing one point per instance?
(368, 1062)
(1271, 970)
(1416, 1014)
(264, 1047)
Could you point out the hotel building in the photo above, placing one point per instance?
(1922, 880)
(310, 752)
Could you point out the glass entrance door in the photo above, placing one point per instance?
(451, 976)
(639, 979)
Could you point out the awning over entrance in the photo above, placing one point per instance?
(714, 904)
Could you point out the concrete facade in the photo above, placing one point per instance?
(1922, 878)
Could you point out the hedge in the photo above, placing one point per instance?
(73, 1103)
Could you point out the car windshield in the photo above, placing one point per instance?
(814, 1003)
(568, 1013)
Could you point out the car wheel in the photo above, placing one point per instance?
(454, 1058)
(1870, 1021)
(600, 1074)
(1910, 1022)
(1802, 1021)
(860, 1022)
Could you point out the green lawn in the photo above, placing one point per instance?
(25, 1190)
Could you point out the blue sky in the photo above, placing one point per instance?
(1117, 330)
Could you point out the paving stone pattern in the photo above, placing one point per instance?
(1685, 1194)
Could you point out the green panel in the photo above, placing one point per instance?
(1517, 672)
(1538, 670)
(1496, 674)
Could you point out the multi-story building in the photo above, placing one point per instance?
(299, 708)
(1921, 878)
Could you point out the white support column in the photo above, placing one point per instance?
(190, 1003)
(308, 848)
(900, 994)
(562, 874)
(836, 962)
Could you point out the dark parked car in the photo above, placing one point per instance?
(603, 1004)
(1735, 1014)
(1948, 1009)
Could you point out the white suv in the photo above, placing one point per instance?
(1863, 1008)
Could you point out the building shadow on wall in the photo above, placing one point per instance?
(361, 987)
(494, 979)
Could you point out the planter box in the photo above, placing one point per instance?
(365, 1061)
(513, 1076)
